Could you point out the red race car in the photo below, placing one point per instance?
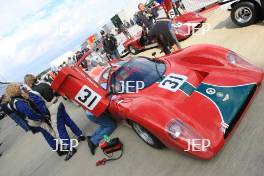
(185, 25)
(190, 100)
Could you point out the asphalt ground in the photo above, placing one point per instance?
(25, 154)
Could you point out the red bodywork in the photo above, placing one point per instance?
(185, 26)
(215, 77)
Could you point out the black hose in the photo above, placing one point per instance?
(110, 158)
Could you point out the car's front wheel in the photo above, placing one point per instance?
(244, 14)
(146, 136)
(132, 50)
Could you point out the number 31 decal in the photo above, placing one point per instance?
(173, 82)
(87, 97)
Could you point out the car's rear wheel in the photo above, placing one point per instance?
(146, 136)
(132, 50)
(244, 14)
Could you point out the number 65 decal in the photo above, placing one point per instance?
(173, 82)
(87, 97)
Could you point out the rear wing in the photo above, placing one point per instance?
(79, 87)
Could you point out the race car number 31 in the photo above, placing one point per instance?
(173, 82)
(87, 97)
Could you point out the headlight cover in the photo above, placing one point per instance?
(237, 60)
(232, 57)
(182, 131)
(174, 129)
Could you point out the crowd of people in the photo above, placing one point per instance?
(36, 108)
(71, 60)
(153, 28)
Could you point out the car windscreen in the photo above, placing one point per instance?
(137, 73)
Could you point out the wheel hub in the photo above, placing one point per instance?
(243, 14)
(132, 49)
(143, 134)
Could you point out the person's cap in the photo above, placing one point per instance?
(102, 32)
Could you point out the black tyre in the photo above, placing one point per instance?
(146, 136)
(132, 50)
(244, 13)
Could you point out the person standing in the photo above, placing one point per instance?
(110, 45)
(144, 17)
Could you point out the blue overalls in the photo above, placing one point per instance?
(59, 121)
(36, 121)
(16, 117)
(106, 126)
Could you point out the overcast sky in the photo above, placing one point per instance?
(34, 32)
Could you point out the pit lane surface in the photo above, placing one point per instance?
(243, 155)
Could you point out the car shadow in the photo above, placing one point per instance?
(227, 23)
(260, 23)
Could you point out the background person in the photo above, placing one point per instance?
(144, 17)
(42, 87)
(165, 35)
(71, 62)
(78, 55)
(110, 45)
